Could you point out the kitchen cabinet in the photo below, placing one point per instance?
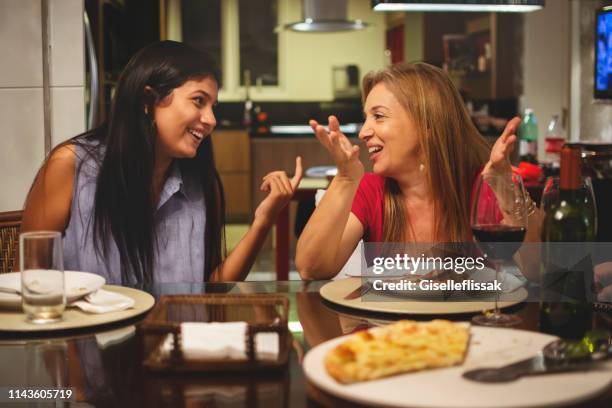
(233, 161)
(493, 42)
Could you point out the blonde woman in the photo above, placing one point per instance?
(426, 155)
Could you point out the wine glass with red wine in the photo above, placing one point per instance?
(499, 219)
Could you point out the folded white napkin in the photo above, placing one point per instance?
(104, 301)
(222, 340)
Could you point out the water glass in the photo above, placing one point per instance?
(42, 276)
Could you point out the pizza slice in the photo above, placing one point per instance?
(401, 347)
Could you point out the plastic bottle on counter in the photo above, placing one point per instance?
(528, 138)
(553, 142)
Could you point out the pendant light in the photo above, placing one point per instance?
(510, 6)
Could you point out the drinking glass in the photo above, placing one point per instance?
(42, 276)
(499, 220)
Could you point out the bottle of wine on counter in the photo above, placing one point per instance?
(528, 138)
(567, 231)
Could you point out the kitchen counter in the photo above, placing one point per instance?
(351, 130)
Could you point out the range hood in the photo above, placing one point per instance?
(325, 16)
(516, 6)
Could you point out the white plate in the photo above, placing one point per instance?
(78, 284)
(335, 292)
(509, 284)
(14, 321)
(447, 388)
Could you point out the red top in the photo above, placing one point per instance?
(368, 205)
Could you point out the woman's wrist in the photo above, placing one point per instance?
(261, 224)
(346, 181)
(516, 210)
(531, 206)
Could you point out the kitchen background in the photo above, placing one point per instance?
(541, 60)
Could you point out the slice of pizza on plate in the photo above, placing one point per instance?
(400, 347)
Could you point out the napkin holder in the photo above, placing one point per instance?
(165, 319)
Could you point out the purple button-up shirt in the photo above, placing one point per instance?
(180, 221)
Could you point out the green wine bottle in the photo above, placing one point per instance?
(567, 268)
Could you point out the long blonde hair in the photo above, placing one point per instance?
(452, 147)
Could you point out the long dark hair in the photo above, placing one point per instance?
(123, 205)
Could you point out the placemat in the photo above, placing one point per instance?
(335, 292)
(74, 318)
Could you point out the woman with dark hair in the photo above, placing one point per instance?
(139, 199)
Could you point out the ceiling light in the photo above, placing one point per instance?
(511, 6)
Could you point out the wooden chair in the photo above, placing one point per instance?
(10, 224)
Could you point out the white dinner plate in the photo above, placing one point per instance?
(374, 301)
(78, 284)
(445, 387)
(510, 283)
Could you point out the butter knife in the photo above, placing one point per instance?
(360, 291)
(556, 357)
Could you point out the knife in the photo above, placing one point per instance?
(360, 291)
(560, 356)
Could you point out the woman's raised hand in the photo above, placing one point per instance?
(499, 161)
(344, 154)
(280, 189)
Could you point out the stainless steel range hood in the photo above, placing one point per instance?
(325, 16)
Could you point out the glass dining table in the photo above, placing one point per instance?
(104, 365)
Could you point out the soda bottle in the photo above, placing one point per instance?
(554, 140)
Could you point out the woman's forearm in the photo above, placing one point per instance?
(528, 256)
(319, 244)
(238, 263)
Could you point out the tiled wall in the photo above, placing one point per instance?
(22, 145)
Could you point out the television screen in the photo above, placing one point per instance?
(603, 54)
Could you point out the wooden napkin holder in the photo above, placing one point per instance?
(170, 311)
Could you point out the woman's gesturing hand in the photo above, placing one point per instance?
(344, 154)
(280, 189)
(499, 161)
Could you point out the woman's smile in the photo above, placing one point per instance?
(196, 135)
(374, 151)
